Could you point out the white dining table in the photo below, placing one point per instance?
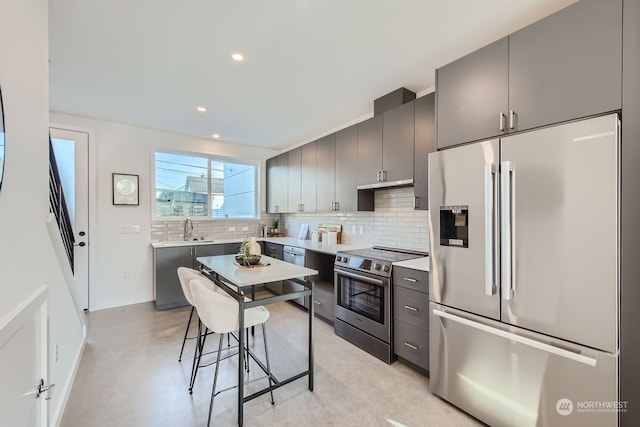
(240, 282)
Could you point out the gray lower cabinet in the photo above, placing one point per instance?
(411, 316)
(165, 277)
(324, 304)
(273, 250)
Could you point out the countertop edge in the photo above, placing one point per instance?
(288, 241)
(421, 263)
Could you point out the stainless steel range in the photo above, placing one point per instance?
(362, 280)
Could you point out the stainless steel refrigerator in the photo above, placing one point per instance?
(524, 284)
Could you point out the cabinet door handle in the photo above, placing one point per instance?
(378, 177)
(411, 346)
(512, 119)
(336, 206)
(384, 175)
(300, 207)
(318, 302)
(408, 307)
(502, 117)
(410, 279)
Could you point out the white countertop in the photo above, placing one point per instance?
(313, 246)
(240, 276)
(290, 241)
(416, 263)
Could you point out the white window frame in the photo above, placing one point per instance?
(210, 157)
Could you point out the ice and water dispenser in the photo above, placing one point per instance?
(454, 226)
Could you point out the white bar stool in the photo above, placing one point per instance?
(219, 313)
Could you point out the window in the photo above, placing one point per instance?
(204, 186)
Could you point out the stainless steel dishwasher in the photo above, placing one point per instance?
(295, 256)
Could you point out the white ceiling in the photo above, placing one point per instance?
(311, 67)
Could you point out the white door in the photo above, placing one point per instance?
(23, 364)
(72, 155)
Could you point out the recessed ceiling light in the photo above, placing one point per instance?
(216, 135)
(237, 57)
(201, 109)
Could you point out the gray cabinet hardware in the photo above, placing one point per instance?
(408, 307)
(411, 346)
(410, 279)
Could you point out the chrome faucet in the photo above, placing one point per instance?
(188, 229)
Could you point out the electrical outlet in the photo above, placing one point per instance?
(126, 274)
(124, 229)
(353, 229)
(362, 229)
(135, 228)
(286, 225)
(55, 353)
(232, 229)
(245, 228)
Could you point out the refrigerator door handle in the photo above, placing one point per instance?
(519, 338)
(507, 228)
(490, 285)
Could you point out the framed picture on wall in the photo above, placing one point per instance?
(125, 189)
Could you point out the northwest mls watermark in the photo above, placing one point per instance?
(566, 406)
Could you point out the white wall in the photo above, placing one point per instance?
(27, 257)
(121, 270)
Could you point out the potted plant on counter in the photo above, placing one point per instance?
(275, 226)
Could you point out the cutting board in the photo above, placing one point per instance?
(325, 228)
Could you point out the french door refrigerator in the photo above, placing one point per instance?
(524, 276)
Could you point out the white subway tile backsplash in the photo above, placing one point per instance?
(393, 223)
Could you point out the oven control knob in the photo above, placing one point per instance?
(338, 258)
(345, 259)
(376, 266)
(385, 268)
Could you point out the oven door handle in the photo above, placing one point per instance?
(360, 276)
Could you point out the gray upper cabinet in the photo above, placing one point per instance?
(563, 67)
(346, 177)
(308, 173)
(385, 148)
(425, 144)
(472, 94)
(369, 150)
(325, 173)
(302, 178)
(398, 144)
(277, 183)
(568, 65)
(295, 180)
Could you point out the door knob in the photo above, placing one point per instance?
(41, 388)
(81, 244)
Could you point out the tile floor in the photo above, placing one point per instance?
(129, 375)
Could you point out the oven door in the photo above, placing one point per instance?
(364, 301)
